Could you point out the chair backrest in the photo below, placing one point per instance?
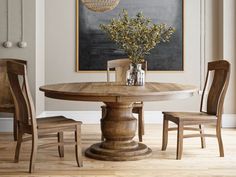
(215, 100)
(5, 92)
(24, 106)
(121, 66)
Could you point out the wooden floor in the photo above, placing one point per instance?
(196, 161)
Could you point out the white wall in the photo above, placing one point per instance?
(40, 55)
(60, 57)
(221, 41)
(209, 32)
(57, 32)
(34, 36)
(27, 53)
(229, 49)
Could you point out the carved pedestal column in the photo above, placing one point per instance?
(118, 127)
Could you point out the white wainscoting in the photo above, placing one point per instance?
(93, 117)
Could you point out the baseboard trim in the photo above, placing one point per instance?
(229, 120)
(93, 117)
(6, 124)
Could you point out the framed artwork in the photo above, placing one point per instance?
(93, 47)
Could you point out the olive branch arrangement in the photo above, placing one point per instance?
(136, 35)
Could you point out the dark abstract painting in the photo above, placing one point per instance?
(94, 48)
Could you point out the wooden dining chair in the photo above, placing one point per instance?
(213, 114)
(121, 66)
(38, 128)
(6, 100)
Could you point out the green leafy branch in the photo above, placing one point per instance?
(136, 35)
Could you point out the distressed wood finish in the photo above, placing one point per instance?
(116, 92)
(196, 163)
(118, 125)
(121, 66)
(6, 100)
(213, 114)
(37, 128)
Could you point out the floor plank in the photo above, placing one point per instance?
(195, 162)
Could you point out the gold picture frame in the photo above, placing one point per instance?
(79, 61)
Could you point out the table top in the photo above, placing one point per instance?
(115, 92)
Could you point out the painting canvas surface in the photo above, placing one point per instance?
(94, 47)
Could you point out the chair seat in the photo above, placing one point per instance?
(55, 122)
(191, 116)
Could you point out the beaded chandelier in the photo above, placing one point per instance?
(100, 5)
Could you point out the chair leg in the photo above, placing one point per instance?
(78, 149)
(33, 152)
(103, 114)
(140, 124)
(203, 142)
(179, 141)
(18, 146)
(165, 134)
(15, 127)
(220, 142)
(60, 140)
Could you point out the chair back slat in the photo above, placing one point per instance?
(5, 92)
(21, 95)
(121, 66)
(221, 71)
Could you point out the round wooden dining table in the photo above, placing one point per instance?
(118, 126)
